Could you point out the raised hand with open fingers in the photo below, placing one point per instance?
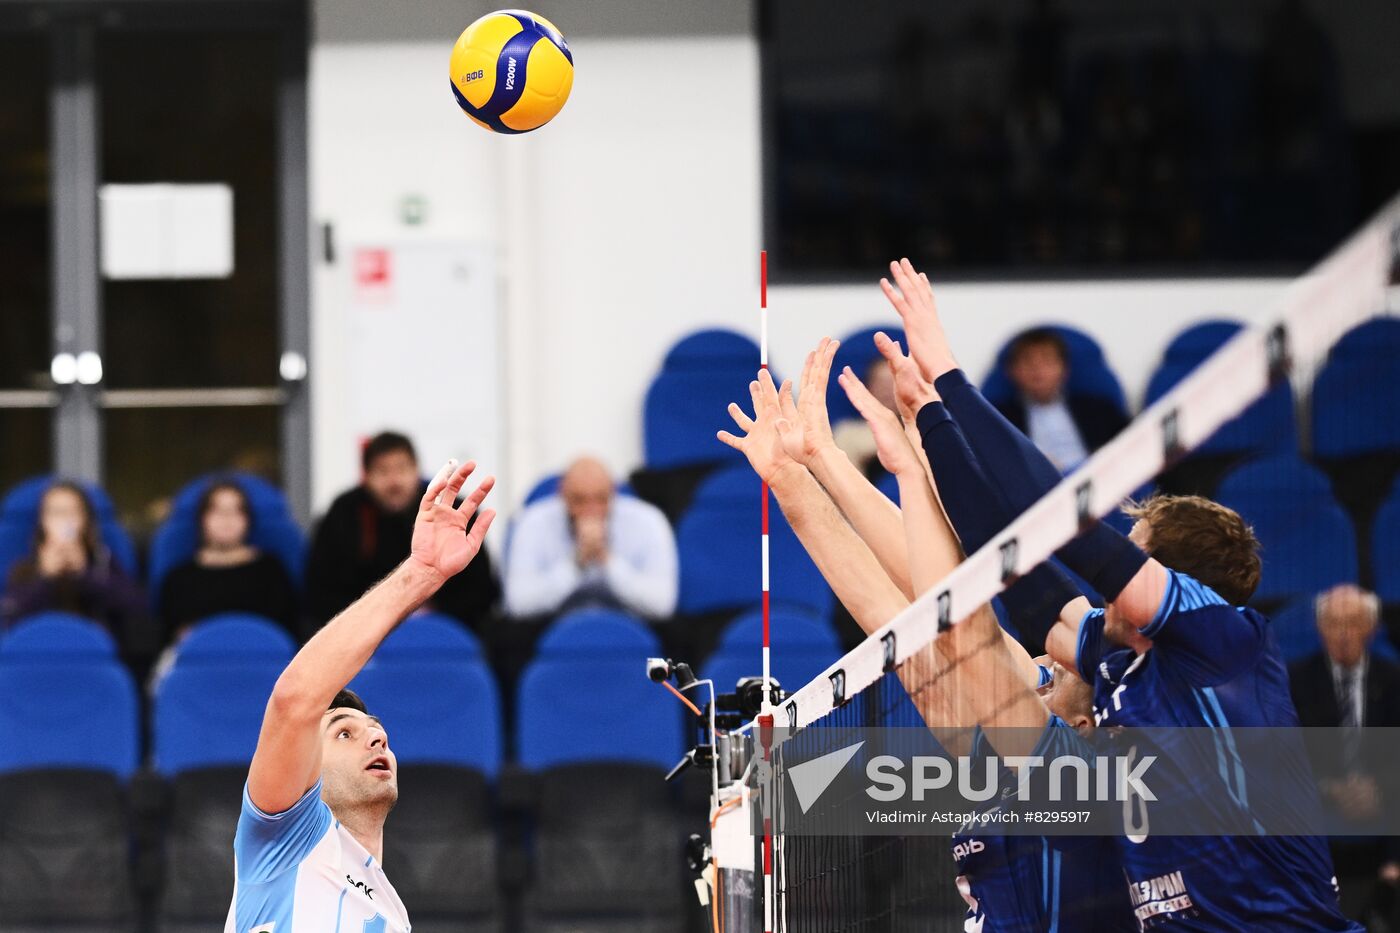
(892, 445)
(911, 390)
(762, 442)
(912, 296)
(442, 542)
(809, 432)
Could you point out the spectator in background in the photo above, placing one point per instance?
(1066, 428)
(588, 546)
(226, 574)
(71, 570)
(853, 435)
(367, 532)
(1345, 685)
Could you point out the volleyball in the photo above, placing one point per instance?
(512, 71)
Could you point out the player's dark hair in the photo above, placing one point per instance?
(1204, 539)
(1038, 337)
(206, 501)
(348, 699)
(386, 442)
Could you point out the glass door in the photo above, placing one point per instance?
(26, 392)
(122, 360)
(191, 377)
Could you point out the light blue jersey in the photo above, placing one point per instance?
(300, 870)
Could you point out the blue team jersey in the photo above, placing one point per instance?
(1033, 884)
(1215, 666)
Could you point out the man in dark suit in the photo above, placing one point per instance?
(1345, 685)
(1065, 426)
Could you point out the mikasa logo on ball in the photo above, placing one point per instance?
(510, 74)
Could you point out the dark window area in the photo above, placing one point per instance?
(1077, 137)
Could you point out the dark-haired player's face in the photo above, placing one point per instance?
(1067, 696)
(1039, 372)
(357, 767)
(392, 480)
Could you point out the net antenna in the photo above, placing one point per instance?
(765, 717)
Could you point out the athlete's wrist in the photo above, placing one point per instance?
(420, 578)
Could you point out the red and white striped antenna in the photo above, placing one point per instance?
(765, 718)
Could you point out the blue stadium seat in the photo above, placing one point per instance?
(1385, 548)
(686, 402)
(431, 687)
(1088, 370)
(1268, 425)
(235, 635)
(19, 513)
(802, 647)
(720, 548)
(274, 529)
(545, 487)
(65, 700)
(585, 698)
(209, 707)
(1365, 364)
(857, 351)
(1308, 542)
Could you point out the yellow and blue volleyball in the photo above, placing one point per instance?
(512, 71)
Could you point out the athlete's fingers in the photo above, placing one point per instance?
(744, 422)
(454, 483)
(858, 394)
(901, 306)
(766, 390)
(438, 484)
(787, 406)
(824, 367)
(888, 348)
(478, 495)
(756, 396)
(726, 438)
(477, 534)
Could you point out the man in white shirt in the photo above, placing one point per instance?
(588, 546)
(323, 779)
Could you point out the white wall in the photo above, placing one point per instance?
(631, 220)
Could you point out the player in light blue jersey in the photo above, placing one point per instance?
(1171, 650)
(310, 838)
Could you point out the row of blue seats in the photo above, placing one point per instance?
(66, 701)
(702, 373)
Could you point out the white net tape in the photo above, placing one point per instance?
(1346, 288)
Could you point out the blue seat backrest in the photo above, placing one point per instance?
(274, 529)
(1268, 425)
(19, 516)
(431, 687)
(802, 647)
(1308, 543)
(65, 700)
(585, 698)
(686, 402)
(719, 543)
(787, 629)
(1364, 364)
(857, 351)
(1385, 547)
(231, 635)
(209, 708)
(1089, 373)
(545, 487)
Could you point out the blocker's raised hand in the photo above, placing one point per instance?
(808, 434)
(762, 442)
(441, 541)
(911, 390)
(892, 445)
(912, 296)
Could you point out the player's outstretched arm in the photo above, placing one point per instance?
(809, 441)
(848, 565)
(287, 762)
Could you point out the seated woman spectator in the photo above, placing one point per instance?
(71, 570)
(226, 574)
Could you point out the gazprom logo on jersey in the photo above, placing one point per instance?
(1066, 778)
